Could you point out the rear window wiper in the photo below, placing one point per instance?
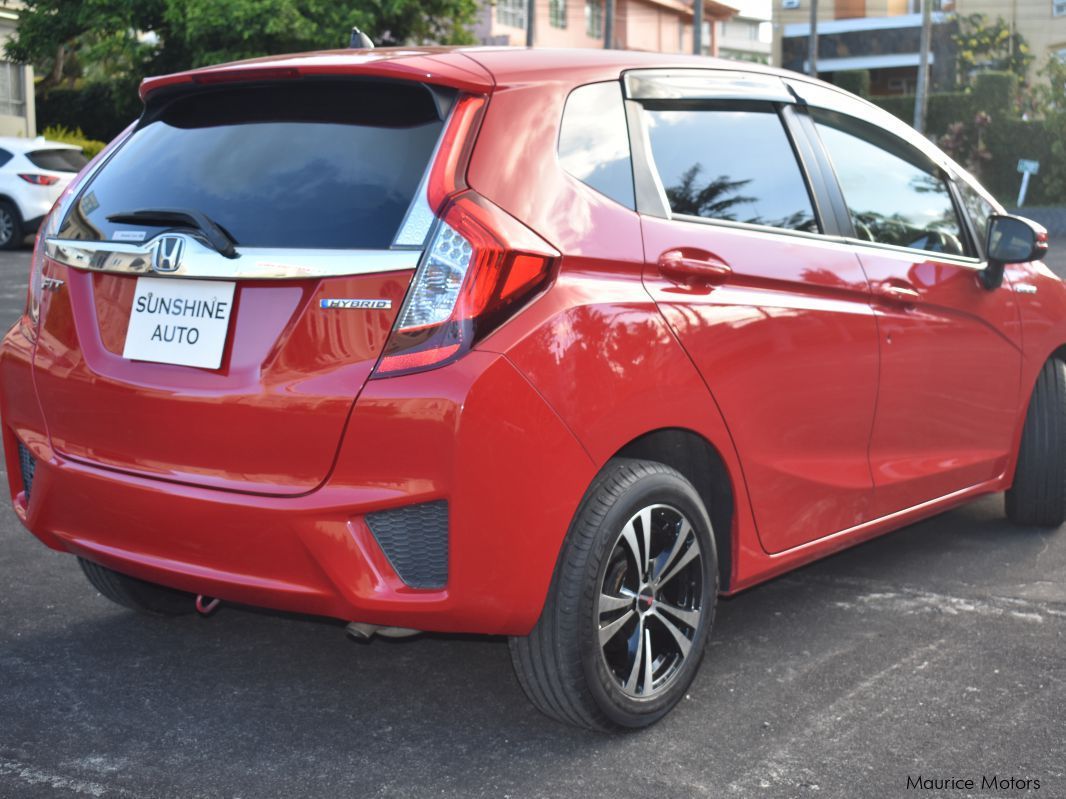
(215, 234)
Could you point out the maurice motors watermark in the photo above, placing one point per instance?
(985, 782)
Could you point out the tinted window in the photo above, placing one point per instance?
(734, 165)
(317, 165)
(58, 160)
(893, 193)
(978, 209)
(594, 141)
(5, 156)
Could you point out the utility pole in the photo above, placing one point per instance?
(531, 5)
(697, 27)
(921, 95)
(608, 25)
(812, 42)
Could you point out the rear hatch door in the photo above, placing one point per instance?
(162, 354)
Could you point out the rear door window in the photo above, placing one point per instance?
(58, 160)
(734, 165)
(305, 164)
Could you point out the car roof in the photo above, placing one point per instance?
(477, 69)
(17, 144)
(482, 69)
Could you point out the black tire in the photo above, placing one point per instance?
(11, 235)
(562, 665)
(1038, 496)
(137, 594)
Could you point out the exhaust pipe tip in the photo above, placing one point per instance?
(361, 631)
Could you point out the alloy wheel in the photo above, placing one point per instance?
(650, 600)
(7, 226)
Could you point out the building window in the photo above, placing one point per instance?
(12, 89)
(557, 13)
(1058, 8)
(594, 18)
(511, 12)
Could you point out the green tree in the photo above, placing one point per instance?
(1049, 102)
(91, 54)
(983, 45)
(101, 40)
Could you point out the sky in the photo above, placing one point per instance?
(755, 8)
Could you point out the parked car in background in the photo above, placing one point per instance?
(553, 345)
(33, 173)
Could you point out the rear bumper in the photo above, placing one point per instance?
(474, 435)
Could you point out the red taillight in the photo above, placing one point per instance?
(39, 180)
(50, 226)
(447, 175)
(481, 265)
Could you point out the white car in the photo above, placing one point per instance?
(33, 173)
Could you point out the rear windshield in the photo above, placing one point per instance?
(301, 164)
(58, 160)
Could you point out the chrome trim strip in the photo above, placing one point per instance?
(967, 261)
(252, 263)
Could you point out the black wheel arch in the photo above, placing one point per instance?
(699, 462)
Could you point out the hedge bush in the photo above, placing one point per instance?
(943, 109)
(101, 110)
(88, 146)
(856, 81)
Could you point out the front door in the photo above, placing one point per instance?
(950, 348)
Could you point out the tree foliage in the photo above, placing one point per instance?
(984, 45)
(105, 40)
(1049, 102)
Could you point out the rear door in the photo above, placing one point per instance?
(950, 348)
(320, 185)
(773, 312)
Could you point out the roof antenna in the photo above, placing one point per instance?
(360, 40)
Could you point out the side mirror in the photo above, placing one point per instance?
(1011, 240)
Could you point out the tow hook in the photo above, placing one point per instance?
(206, 605)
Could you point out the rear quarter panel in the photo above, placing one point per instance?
(594, 345)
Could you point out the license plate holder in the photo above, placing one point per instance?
(179, 321)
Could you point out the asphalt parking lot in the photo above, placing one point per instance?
(939, 651)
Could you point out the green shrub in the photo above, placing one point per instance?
(856, 81)
(944, 108)
(61, 134)
(996, 93)
(102, 110)
(1007, 141)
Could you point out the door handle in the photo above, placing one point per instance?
(899, 290)
(690, 262)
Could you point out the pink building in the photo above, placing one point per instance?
(663, 26)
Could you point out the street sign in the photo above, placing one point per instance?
(1028, 168)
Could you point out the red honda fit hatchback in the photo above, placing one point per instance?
(554, 345)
